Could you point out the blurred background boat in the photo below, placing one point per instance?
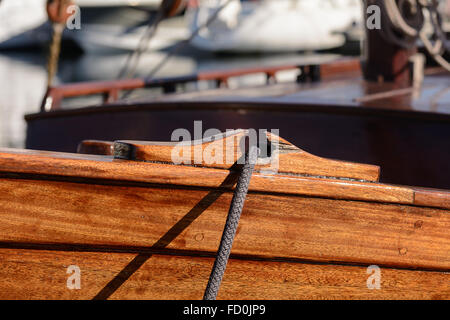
(24, 23)
(275, 25)
(17, 18)
(22, 85)
(242, 26)
(289, 25)
(99, 37)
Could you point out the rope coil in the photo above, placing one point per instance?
(404, 24)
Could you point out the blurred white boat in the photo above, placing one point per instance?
(23, 23)
(101, 37)
(274, 25)
(19, 16)
(22, 87)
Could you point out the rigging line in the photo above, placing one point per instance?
(437, 57)
(435, 20)
(54, 52)
(55, 45)
(132, 61)
(393, 20)
(180, 45)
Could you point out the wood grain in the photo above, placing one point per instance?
(103, 167)
(340, 68)
(110, 89)
(224, 150)
(29, 274)
(431, 197)
(192, 220)
(96, 147)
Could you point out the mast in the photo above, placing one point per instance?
(385, 59)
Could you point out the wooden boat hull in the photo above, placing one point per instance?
(409, 146)
(141, 230)
(174, 277)
(286, 247)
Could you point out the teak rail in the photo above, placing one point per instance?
(111, 89)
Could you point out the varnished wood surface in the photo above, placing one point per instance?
(138, 228)
(226, 147)
(32, 274)
(431, 197)
(106, 168)
(96, 147)
(98, 167)
(271, 226)
(111, 89)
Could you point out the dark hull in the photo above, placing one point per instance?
(411, 148)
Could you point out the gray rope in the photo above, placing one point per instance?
(229, 232)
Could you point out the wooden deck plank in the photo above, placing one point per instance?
(432, 197)
(297, 227)
(35, 274)
(223, 151)
(102, 167)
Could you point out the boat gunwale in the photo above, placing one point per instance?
(103, 168)
(254, 105)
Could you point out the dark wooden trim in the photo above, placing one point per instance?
(111, 89)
